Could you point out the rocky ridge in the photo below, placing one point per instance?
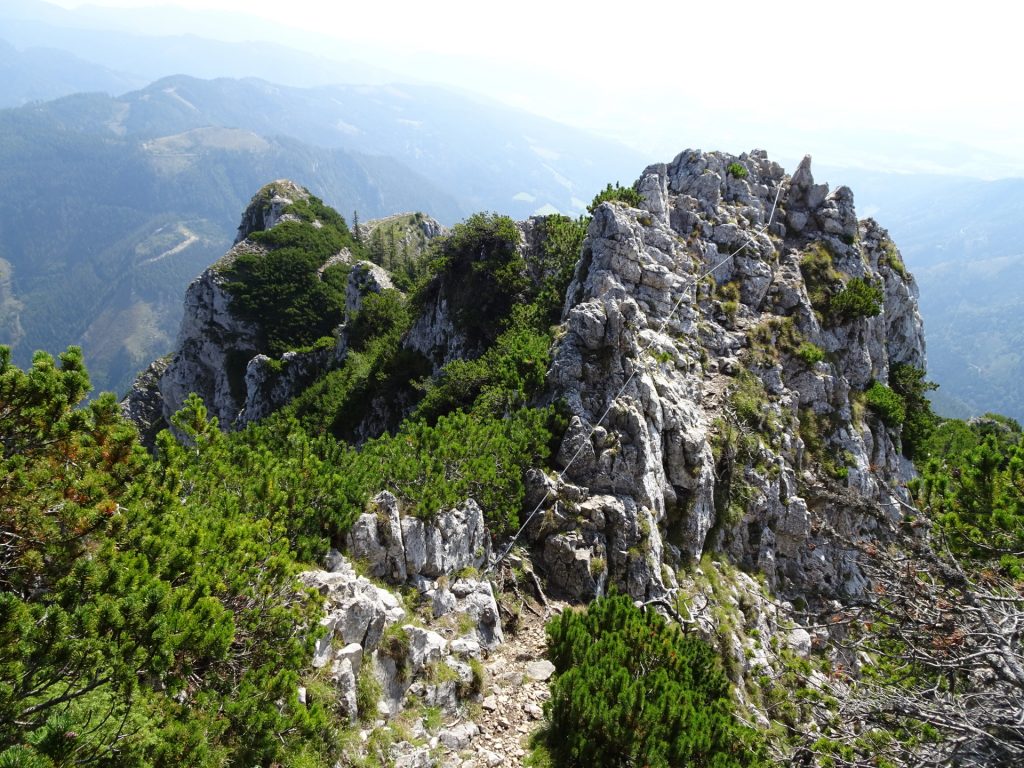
(716, 404)
(684, 322)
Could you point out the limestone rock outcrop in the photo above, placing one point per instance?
(368, 630)
(221, 356)
(215, 344)
(714, 384)
(212, 343)
(691, 407)
(143, 405)
(429, 554)
(268, 206)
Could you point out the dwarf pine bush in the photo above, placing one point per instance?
(631, 689)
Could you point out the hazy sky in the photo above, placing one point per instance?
(908, 85)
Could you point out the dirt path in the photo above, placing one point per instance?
(515, 692)
(190, 239)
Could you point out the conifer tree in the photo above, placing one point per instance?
(632, 690)
(378, 252)
(149, 613)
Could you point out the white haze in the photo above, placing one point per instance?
(881, 85)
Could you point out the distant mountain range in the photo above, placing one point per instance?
(488, 156)
(37, 74)
(113, 40)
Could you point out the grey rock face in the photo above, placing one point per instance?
(409, 550)
(271, 384)
(353, 653)
(425, 647)
(364, 279)
(576, 562)
(653, 186)
(376, 539)
(430, 227)
(399, 548)
(267, 208)
(358, 613)
(458, 737)
(465, 647)
(418, 757)
(436, 334)
(540, 670)
(214, 345)
(903, 336)
(476, 600)
(670, 310)
(456, 539)
(210, 342)
(344, 678)
(143, 405)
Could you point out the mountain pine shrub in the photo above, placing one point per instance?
(737, 170)
(834, 302)
(633, 690)
(810, 353)
(284, 290)
(511, 371)
(859, 298)
(617, 194)
(481, 270)
(501, 380)
(972, 481)
(149, 611)
(886, 403)
(561, 245)
(909, 383)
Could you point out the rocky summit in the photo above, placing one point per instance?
(722, 368)
(691, 325)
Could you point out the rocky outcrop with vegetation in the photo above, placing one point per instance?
(234, 349)
(722, 341)
(721, 363)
